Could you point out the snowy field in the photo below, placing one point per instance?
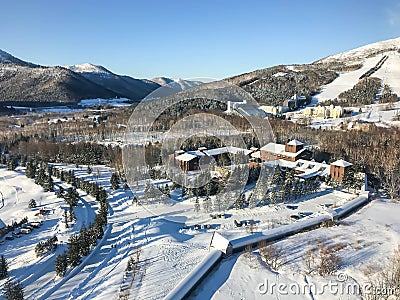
(168, 252)
(365, 242)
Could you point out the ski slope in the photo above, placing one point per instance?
(390, 71)
(368, 56)
(346, 81)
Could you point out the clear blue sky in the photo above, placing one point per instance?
(203, 38)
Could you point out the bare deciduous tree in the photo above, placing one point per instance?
(272, 255)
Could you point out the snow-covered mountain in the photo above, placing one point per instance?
(132, 88)
(362, 53)
(380, 60)
(324, 79)
(24, 83)
(182, 83)
(88, 68)
(9, 59)
(329, 77)
(170, 86)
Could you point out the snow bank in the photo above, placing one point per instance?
(347, 208)
(278, 233)
(194, 277)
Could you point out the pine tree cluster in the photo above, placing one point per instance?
(42, 173)
(13, 290)
(79, 245)
(288, 187)
(3, 267)
(42, 248)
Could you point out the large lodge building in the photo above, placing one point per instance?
(291, 155)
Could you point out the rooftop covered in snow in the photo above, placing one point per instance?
(341, 163)
(295, 143)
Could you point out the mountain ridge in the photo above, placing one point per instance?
(324, 79)
(30, 84)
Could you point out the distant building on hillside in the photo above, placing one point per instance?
(244, 109)
(289, 104)
(274, 110)
(295, 102)
(324, 112)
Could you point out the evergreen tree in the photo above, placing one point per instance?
(242, 201)
(40, 176)
(61, 264)
(60, 192)
(218, 202)
(48, 184)
(167, 190)
(196, 205)
(252, 200)
(71, 197)
(30, 171)
(32, 203)
(40, 249)
(273, 196)
(62, 176)
(66, 219)
(12, 163)
(14, 290)
(207, 204)
(278, 177)
(348, 178)
(114, 181)
(50, 170)
(71, 214)
(3, 267)
(3, 159)
(84, 242)
(74, 257)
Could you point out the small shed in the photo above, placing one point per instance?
(218, 242)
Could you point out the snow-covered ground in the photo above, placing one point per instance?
(168, 252)
(364, 241)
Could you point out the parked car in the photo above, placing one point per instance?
(26, 230)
